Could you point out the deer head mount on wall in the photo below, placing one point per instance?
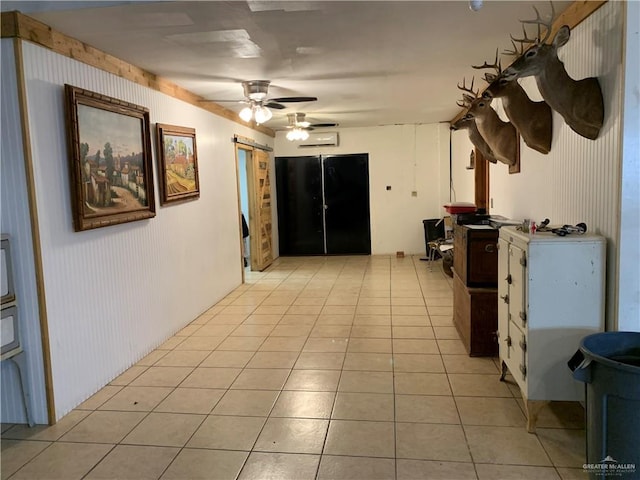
(579, 102)
(469, 123)
(501, 136)
(532, 119)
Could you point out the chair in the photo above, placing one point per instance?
(438, 238)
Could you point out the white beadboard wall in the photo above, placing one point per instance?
(115, 293)
(16, 223)
(578, 181)
(407, 158)
(629, 251)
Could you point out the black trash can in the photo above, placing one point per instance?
(609, 365)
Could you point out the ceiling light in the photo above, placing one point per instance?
(475, 5)
(246, 114)
(257, 112)
(262, 114)
(297, 134)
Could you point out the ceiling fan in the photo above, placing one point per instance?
(255, 92)
(299, 127)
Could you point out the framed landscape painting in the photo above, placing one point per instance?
(110, 160)
(178, 163)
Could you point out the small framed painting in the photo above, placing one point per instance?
(178, 159)
(109, 160)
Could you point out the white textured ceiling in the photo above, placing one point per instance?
(368, 62)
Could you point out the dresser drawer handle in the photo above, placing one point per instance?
(505, 298)
(523, 370)
(523, 317)
(508, 340)
(509, 279)
(523, 345)
(489, 248)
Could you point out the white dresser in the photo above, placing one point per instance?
(550, 295)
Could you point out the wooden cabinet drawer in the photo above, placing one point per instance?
(475, 255)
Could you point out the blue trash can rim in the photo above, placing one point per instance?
(601, 346)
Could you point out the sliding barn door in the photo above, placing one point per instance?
(260, 212)
(323, 205)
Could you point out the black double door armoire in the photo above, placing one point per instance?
(323, 205)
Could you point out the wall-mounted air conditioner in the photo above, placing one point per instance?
(320, 139)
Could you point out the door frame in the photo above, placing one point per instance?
(249, 146)
(322, 161)
(249, 154)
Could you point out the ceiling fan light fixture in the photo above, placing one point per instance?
(297, 134)
(256, 112)
(246, 114)
(256, 90)
(262, 114)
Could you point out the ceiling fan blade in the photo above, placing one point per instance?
(293, 99)
(274, 105)
(323, 125)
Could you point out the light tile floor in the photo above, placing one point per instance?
(318, 368)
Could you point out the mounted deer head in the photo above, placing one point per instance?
(501, 136)
(579, 102)
(532, 119)
(469, 123)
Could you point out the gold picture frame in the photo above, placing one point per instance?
(178, 163)
(110, 164)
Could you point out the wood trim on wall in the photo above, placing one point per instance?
(35, 232)
(17, 25)
(572, 17)
(481, 180)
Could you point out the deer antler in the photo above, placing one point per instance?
(467, 99)
(495, 65)
(525, 39)
(539, 22)
(515, 52)
(470, 89)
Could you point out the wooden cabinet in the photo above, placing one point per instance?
(475, 297)
(475, 256)
(551, 295)
(475, 315)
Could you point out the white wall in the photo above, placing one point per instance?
(578, 181)
(15, 221)
(629, 252)
(462, 180)
(115, 293)
(406, 157)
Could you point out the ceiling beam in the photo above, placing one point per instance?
(17, 25)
